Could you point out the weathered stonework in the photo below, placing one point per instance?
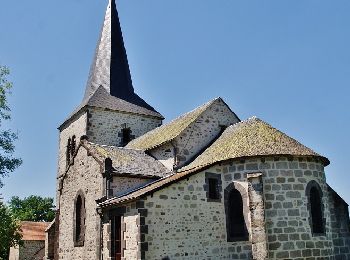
(286, 208)
(196, 136)
(30, 250)
(76, 128)
(120, 185)
(182, 224)
(340, 225)
(104, 126)
(83, 176)
(50, 241)
(257, 209)
(165, 154)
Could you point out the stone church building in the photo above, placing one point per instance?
(207, 185)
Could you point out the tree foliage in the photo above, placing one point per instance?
(8, 163)
(32, 208)
(9, 231)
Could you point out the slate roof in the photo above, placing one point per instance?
(109, 84)
(169, 131)
(110, 68)
(128, 161)
(33, 231)
(249, 138)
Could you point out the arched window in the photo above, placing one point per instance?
(315, 207)
(79, 220)
(236, 211)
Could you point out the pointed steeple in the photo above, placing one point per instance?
(110, 68)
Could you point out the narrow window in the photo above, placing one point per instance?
(236, 227)
(117, 237)
(73, 144)
(78, 215)
(315, 207)
(68, 151)
(79, 220)
(126, 136)
(316, 211)
(213, 188)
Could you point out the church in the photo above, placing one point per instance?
(206, 185)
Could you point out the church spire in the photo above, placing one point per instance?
(110, 68)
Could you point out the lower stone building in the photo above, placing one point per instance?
(33, 237)
(203, 186)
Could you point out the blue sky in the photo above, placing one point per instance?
(287, 62)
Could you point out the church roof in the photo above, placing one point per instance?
(110, 71)
(169, 131)
(128, 161)
(250, 138)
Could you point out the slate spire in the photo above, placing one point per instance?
(110, 68)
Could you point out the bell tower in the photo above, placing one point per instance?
(111, 113)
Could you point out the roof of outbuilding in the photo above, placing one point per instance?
(33, 231)
(128, 161)
(169, 131)
(249, 138)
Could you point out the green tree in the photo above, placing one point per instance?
(32, 208)
(8, 163)
(9, 231)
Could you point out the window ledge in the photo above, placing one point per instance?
(78, 243)
(237, 239)
(318, 234)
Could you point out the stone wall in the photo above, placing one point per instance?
(14, 253)
(203, 131)
(182, 224)
(50, 241)
(84, 176)
(131, 235)
(130, 232)
(196, 137)
(340, 225)
(30, 250)
(286, 209)
(165, 154)
(121, 185)
(77, 128)
(105, 127)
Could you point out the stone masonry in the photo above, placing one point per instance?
(182, 224)
(197, 136)
(104, 126)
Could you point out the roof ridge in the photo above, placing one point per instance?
(250, 119)
(202, 107)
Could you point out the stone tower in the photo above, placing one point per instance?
(111, 113)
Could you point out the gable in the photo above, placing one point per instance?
(171, 130)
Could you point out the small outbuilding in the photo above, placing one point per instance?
(34, 242)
